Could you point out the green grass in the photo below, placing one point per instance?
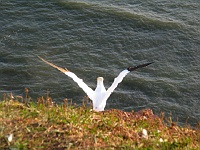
(45, 126)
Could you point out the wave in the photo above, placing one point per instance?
(143, 18)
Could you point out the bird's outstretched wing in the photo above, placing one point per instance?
(115, 83)
(79, 81)
(59, 68)
(139, 66)
(120, 77)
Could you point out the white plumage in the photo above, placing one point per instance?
(100, 95)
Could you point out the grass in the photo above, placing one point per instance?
(44, 125)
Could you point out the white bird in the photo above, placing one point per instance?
(100, 95)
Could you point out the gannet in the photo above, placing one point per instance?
(100, 95)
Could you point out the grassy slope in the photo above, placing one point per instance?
(66, 127)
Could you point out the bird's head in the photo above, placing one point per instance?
(100, 80)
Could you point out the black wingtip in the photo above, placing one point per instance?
(139, 66)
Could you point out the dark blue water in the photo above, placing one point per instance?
(102, 38)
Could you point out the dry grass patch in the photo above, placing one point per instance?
(48, 126)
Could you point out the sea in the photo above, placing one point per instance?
(95, 38)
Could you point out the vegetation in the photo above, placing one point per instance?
(44, 125)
